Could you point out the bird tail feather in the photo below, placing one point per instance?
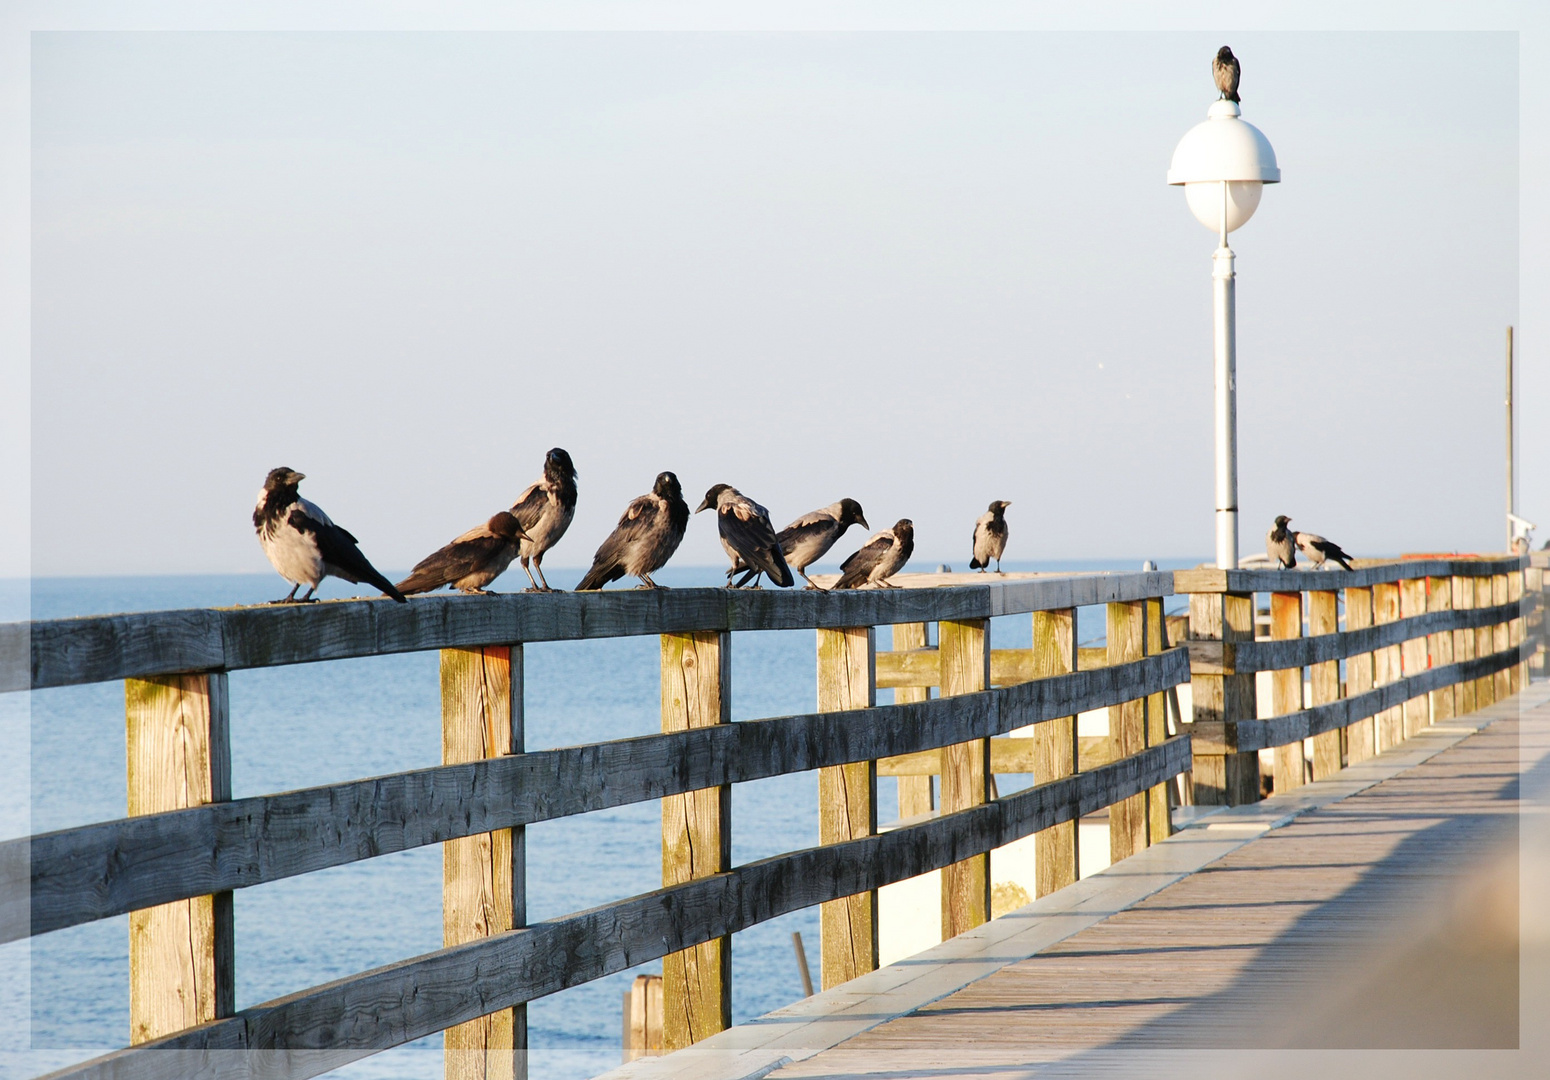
(598, 576)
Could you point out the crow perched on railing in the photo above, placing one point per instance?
(1280, 543)
(303, 544)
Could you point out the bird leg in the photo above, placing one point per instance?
(288, 597)
(538, 564)
(307, 596)
(532, 585)
(647, 583)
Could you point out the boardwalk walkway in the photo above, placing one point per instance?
(1375, 910)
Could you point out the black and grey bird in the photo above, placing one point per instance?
(1281, 543)
(1225, 70)
(544, 511)
(304, 545)
(881, 557)
(747, 535)
(1318, 549)
(809, 537)
(470, 562)
(990, 535)
(645, 538)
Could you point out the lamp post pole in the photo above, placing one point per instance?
(1223, 280)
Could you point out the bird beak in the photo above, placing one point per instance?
(704, 505)
(297, 477)
(862, 522)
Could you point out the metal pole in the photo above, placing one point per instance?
(1512, 503)
(1226, 335)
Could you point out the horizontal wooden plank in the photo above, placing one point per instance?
(67, 652)
(1218, 658)
(1208, 579)
(78, 875)
(1248, 735)
(395, 1004)
(921, 667)
(1012, 755)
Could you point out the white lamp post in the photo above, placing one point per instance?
(1224, 164)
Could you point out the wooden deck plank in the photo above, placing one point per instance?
(1224, 957)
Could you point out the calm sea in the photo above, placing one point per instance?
(64, 996)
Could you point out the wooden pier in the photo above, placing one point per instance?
(1424, 642)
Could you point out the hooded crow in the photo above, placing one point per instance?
(1280, 545)
(747, 535)
(645, 538)
(470, 562)
(544, 511)
(1225, 70)
(1319, 549)
(809, 537)
(990, 537)
(303, 544)
(881, 557)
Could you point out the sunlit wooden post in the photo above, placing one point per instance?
(1159, 814)
(914, 791)
(1464, 644)
(1501, 636)
(484, 888)
(1360, 676)
(1515, 628)
(696, 836)
(847, 802)
(181, 956)
(1127, 728)
(1324, 680)
(965, 658)
(1386, 664)
(1413, 653)
(1056, 854)
(1439, 646)
(1223, 697)
(1286, 688)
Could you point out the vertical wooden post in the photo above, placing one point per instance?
(847, 802)
(1159, 814)
(1515, 629)
(696, 836)
(484, 886)
(1413, 657)
(1386, 665)
(1127, 728)
(1360, 677)
(1464, 646)
(1439, 597)
(1485, 645)
(1324, 680)
(965, 657)
(181, 971)
(1501, 636)
(914, 791)
(1223, 779)
(1056, 856)
(1286, 689)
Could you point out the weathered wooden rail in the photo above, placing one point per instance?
(176, 862)
(1424, 640)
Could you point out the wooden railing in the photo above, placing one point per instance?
(187, 846)
(1423, 640)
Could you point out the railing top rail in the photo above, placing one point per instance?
(1210, 579)
(101, 648)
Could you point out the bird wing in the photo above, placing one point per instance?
(854, 570)
(530, 505)
(468, 553)
(746, 528)
(635, 525)
(341, 556)
(806, 529)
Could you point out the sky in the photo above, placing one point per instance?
(921, 269)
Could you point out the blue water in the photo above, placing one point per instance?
(324, 723)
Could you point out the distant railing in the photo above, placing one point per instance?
(187, 846)
(1423, 640)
